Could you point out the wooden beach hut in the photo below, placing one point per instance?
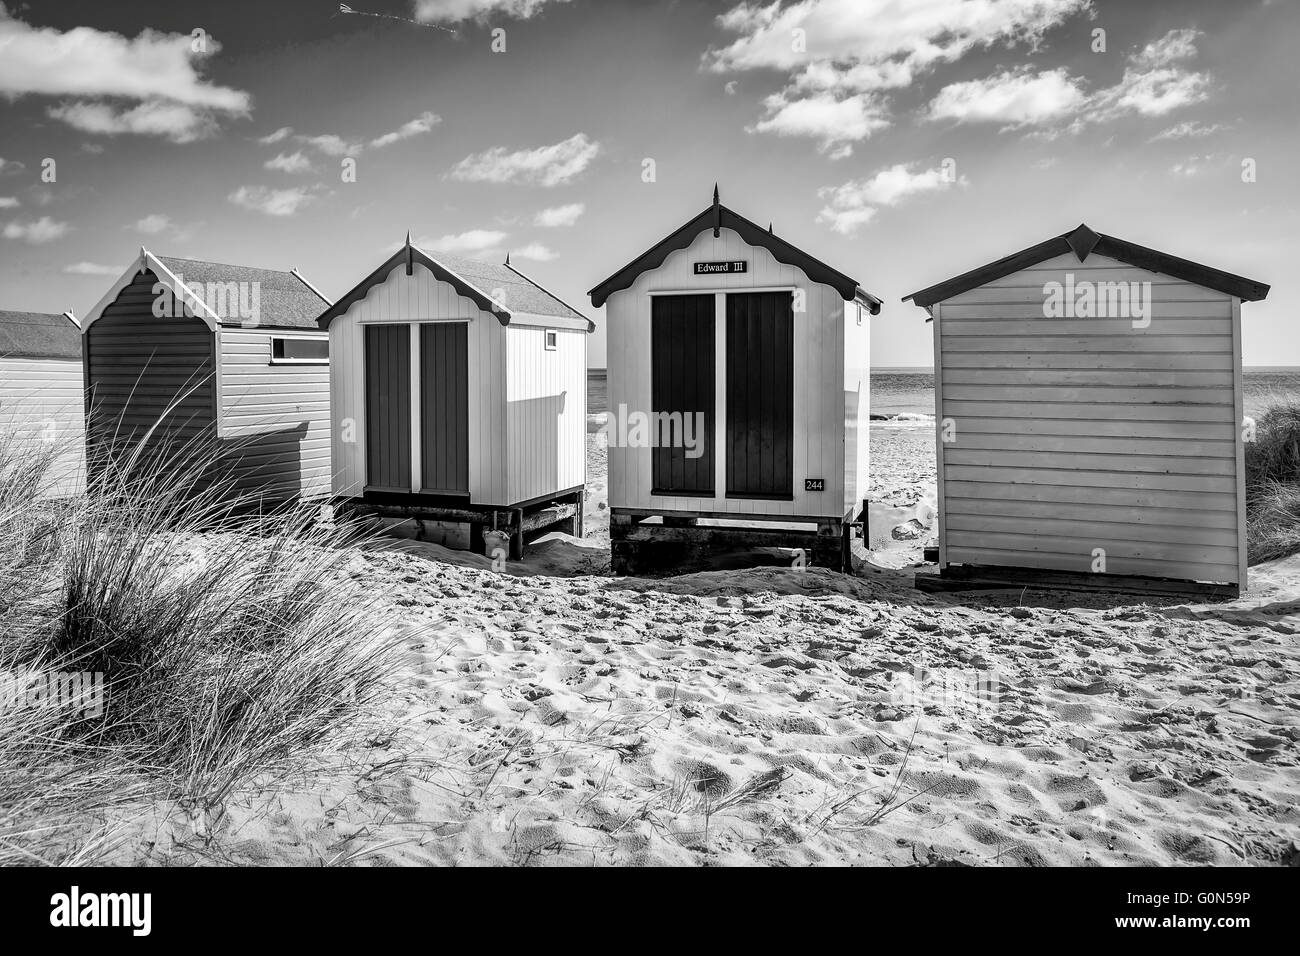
(459, 399)
(41, 398)
(738, 371)
(223, 356)
(1090, 420)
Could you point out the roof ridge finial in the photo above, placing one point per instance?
(717, 213)
(716, 200)
(507, 257)
(769, 229)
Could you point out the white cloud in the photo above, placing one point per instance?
(897, 39)
(38, 232)
(10, 167)
(1153, 84)
(853, 204)
(178, 122)
(1169, 49)
(416, 127)
(272, 202)
(544, 166)
(1188, 130)
(9, 202)
(91, 269)
(454, 11)
(158, 72)
(475, 242)
(835, 123)
(557, 216)
(330, 144)
(153, 223)
(290, 163)
(850, 52)
(1016, 98)
(536, 252)
(1193, 165)
(281, 134)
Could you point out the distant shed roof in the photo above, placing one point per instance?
(716, 217)
(39, 335)
(1082, 241)
(285, 299)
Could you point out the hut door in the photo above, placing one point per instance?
(682, 394)
(388, 408)
(444, 408)
(760, 395)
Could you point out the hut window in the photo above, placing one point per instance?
(300, 351)
(551, 340)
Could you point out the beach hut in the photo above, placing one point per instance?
(41, 398)
(1090, 421)
(459, 399)
(214, 355)
(738, 396)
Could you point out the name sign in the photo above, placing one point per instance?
(730, 267)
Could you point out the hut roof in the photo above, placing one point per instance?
(1082, 241)
(39, 335)
(286, 300)
(500, 289)
(717, 216)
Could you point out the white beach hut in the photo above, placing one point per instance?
(459, 398)
(749, 360)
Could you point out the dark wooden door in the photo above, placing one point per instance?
(444, 408)
(388, 407)
(682, 356)
(760, 395)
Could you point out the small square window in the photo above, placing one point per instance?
(552, 340)
(300, 351)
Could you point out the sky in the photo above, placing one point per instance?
(900, 141)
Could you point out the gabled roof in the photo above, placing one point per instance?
(286, 300)
(718, 217)
(1083, 242)
(500, 289)
(39, 335)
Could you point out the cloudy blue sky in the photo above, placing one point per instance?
(902, 141)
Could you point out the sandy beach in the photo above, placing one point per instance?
(553, 714)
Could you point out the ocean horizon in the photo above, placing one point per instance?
(904, 392)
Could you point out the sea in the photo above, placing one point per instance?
(907, 394)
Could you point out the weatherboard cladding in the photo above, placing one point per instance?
(142, 370)
(285, 300)
(39, 335)
(1074, 434)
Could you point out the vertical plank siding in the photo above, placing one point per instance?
(857, 404)
(143, 371)
(402, 300)
(546, 412)
(760, 394)
(1075, 434)
(275, 418)
(42, 407)
(818, 445)
(388, 407)
(444, 407)
(682, 344)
